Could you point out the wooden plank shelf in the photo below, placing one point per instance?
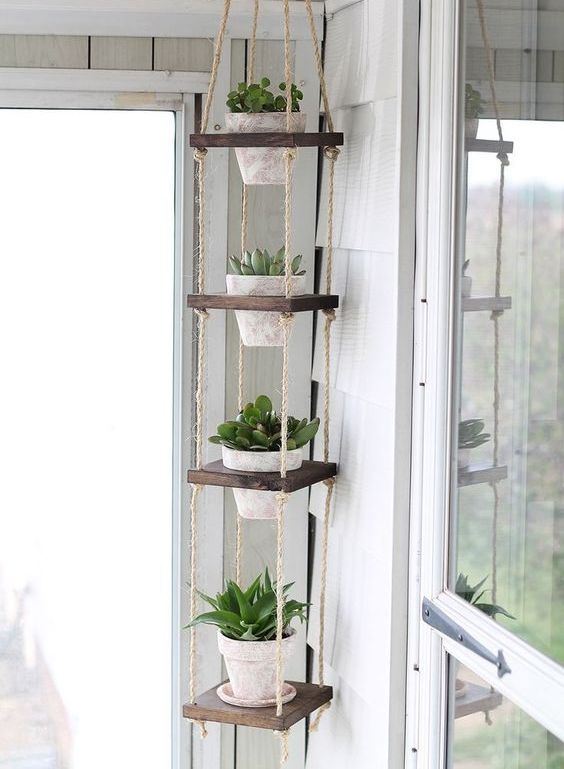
(488, 145)
(301, 303)
(476, 699)
(493, 303)
(275, 139)
(470, 476)
(216, 474)
(209, 707)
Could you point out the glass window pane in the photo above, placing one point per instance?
(86, 325)
(487, 731)
(507, 503)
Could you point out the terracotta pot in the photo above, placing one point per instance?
(466, 286)
(261, 329)
(252, 503)
(471, 125)
(251, 667)
(463, 458)
(262, 165)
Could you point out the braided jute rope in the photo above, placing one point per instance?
(319, 63)
(496, 314)
(284, 751)
(202, 315)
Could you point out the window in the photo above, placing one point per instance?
(86, 407)
(488, 496)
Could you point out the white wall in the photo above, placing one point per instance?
(373, 93)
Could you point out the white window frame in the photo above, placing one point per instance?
(536, 683)
(90, 89)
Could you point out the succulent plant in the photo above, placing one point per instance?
(471, 594)
(250, 615)
(470, 434)
(263, 263)
(473, 103)
(256, 97)
(258, 428)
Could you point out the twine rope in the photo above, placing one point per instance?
(319, 63)
(496, 314)
(238, 547)
(215, 66)
(284, 750)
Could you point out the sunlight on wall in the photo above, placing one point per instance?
(86, 325)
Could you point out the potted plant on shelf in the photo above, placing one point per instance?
(466, 282)
(473, 108)
(261, 274)
(251, 443)
(474, 594)
(254, 108)
(246, 622)
(470, 436)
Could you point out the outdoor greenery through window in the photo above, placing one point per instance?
(507, 500)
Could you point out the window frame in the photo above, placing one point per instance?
(177, 93)
(536, 682)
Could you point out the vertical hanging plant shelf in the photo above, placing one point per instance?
(309, 697)
(310, 473)
(274, 139)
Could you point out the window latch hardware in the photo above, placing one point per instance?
(438, 620)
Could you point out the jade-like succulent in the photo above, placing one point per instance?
(473, 103)
(258, 428)
(250, 615)
(470, 434)
(256, 97)
(263, 263)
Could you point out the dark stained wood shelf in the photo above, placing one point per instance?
(275, 139)
(470, 476)
(493, 303)
(216, 474)
(301, 303)
(488, 145)
(208, 707)
(476, 699)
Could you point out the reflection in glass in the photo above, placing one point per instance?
(490, 732)
(508, 466)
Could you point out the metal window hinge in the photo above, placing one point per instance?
(441, 622)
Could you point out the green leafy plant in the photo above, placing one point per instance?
(258, 428)
(250, 615)
(473, 106)
(263, 263)
(474, 594)
(256, 97)
(465, 266)
(470, 434)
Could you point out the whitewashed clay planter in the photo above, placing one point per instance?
(252, 503)
(251, 667)
(463, 458)
(466, 286)
(471, 125)
(262, 329)
(262, 165)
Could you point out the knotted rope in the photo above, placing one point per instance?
(284, 751)
(496, 314)
(202, 315)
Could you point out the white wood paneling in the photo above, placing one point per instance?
(43, 51)
(152, 18)
(506, 28)
(183, 54)
(363, 35)
(23, 79)
(366, 213)
(121, 53)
